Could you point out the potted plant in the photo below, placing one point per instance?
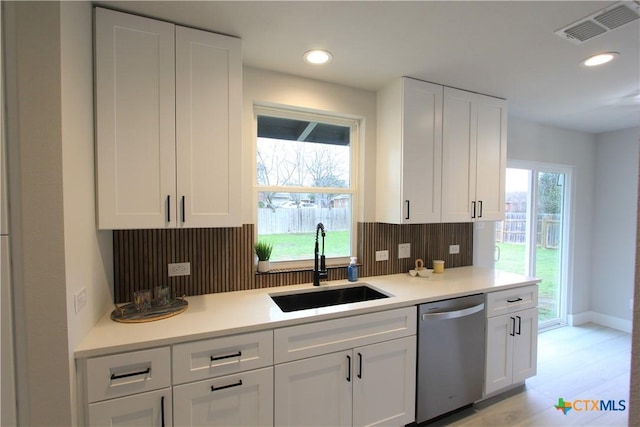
(263, 251)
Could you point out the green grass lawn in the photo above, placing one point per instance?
(294, 246)
(547, 269)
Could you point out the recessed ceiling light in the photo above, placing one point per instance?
(599, 59)
(317, 56)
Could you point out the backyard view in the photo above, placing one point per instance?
(547, 269)
(529, 241)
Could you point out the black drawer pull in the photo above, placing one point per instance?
(348, 368)
(514, 300)
(228, 356)
(238, 384)
(132, 374)
(162, 411)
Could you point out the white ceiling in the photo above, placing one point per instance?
(502, 48)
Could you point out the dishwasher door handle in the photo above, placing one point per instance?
(444, 315)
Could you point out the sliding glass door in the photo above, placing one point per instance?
(532, 238)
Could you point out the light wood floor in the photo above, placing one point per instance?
(585, 362)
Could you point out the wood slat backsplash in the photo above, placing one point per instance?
(222, 259)
(428, 242)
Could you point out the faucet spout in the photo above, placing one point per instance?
(319, 271)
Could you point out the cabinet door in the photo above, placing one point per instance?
(135, 121)
(459, 132)
(208, 129)
(422, 152)
(315, 391)
(525, 346)
(491, 157)
(499, 359)
(385, 383)
(139, 410)
(244, 399)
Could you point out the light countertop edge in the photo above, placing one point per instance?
(230, 313)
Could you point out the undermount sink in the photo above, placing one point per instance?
(326, 297)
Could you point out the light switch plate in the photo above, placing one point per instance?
(404, 250)
(454, 249)
(80, 300)
(382, 255)
(180, 269)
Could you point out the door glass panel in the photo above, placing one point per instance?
(530, 239)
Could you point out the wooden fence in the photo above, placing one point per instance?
(302, 220)
(514, 228)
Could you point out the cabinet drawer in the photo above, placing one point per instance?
(221, 356)
(297, 342)
(510, 300)
(128, 373)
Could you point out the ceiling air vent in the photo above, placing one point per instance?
(601, 22)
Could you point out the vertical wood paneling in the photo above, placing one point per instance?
(222, 259)
(428, 242)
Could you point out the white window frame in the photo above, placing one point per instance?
(296, 113)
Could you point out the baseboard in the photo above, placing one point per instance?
(600, 319)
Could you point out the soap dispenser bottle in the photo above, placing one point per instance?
(352, 270)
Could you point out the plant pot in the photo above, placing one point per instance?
(263, 266)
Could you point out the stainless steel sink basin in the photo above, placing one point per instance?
(326, 297)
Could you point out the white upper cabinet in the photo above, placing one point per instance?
(474, 157)
(135, 120)
(208, 140)
(409, 152)
(168, 103)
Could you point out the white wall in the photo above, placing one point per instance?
(535, 142)
(35, 159)
(88, 252)
(55, 247)
(270, 88)
(614, 225)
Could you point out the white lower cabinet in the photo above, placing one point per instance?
(149, 409)
(384, 386)
(365, 386)
(314, 391)
(360, 385)
(512, 344)
(244, 399)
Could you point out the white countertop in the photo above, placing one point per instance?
(229, 313)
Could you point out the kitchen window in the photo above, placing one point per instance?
(305, 175)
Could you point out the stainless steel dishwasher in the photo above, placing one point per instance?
(451, 348)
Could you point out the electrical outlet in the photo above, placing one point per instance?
(180, 269)
(382, 255)
(404, 250)
(80, 300)
(454, 249)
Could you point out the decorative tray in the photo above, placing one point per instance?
(129, 314)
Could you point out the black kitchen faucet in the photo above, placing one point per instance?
(319, 273)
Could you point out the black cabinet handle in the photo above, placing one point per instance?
(360, 369)
(168, 208)
(519, 325)
(226, 356)
(513, 327)
(473, 208)
(480, 209)
(132, 374)
(162, 411)
(349, 368)
(182, 209)
(408, 209)
(222, 387)
(514, 300)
